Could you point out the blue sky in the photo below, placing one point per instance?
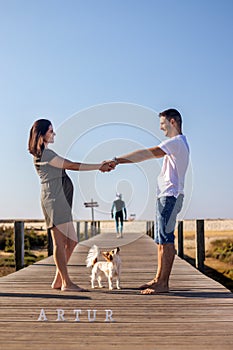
(60, 57)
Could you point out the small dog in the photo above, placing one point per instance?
(110, 268)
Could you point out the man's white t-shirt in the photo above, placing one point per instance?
(175, 163)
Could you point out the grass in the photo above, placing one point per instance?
(35, 244)
(219, 255)
(222, 249)
(7, 260)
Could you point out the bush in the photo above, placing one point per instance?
(222, 250)
(32, 240)
(35, 240)
(7, 239)
(8, 261)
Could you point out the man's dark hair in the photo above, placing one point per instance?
(172, 114)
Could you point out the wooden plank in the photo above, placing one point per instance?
(197, 313)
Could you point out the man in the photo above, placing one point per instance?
(119, 206)
(170, 193)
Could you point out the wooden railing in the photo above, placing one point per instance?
(199, 241)
(93, 228)
(90, 230)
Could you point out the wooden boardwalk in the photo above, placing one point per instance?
(196, 314)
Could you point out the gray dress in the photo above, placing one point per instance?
(56, 190)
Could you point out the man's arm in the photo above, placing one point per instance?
(140, 155)
(113, 205)
(125, 211)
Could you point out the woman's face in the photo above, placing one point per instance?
(49, 136)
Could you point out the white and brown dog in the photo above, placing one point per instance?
(110, 268)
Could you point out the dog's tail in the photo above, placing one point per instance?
(92, 256)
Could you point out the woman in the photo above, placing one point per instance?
(56, 197)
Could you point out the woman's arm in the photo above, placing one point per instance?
(140, 155)
(62, 163)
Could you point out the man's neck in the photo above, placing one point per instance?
(175, 133)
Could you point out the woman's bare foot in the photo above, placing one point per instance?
(57, 283)
(148, 284)
(155, 288)
(72, 288)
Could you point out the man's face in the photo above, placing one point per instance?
(166, 126)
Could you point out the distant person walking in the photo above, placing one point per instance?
(57, 196)
(120, 214)
(170, 193)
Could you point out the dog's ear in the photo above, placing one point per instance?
(115, 251)
(104, 254)
(107, 256)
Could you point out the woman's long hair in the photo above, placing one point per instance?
(36, 137)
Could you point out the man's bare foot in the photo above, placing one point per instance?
(155, 289)
(148, 284)
(72, 288)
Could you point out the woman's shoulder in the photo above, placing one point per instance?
(49, 151)
(48, 155)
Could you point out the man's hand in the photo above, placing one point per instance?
(107, 165)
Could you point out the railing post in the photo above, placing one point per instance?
(19, 244)
(78, 230)
(50, 242)
(148, 228)
(98, 227)
(86, 229)
(180, 251)
(152, 229)
(200, 245)
(93, 228)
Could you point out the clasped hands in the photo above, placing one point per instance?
(107, 165)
